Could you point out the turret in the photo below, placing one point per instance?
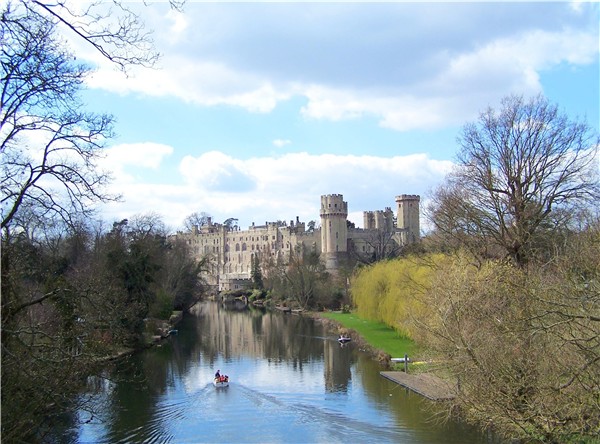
(408, 217)
(334, 228)
(379, 220)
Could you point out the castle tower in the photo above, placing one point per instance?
(334, 228)
(408, 217)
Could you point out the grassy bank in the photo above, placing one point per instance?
(376, 334)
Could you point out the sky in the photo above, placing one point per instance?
(255, 110)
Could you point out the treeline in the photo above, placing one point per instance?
(523, 347)
(505, 295)
(74, 298)
(73, 292)
(300, 282)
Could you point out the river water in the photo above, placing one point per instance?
(290, 382)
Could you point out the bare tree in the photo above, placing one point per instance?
(522, 345)
(113, 29)
(148, 224)
(304, 276)
(382, 244)
(49, 175)
(516, 169)
(196, 220)
(49, 146)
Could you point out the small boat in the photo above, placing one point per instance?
(222, 381)
(344, 339)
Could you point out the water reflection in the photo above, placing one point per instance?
(291, 381)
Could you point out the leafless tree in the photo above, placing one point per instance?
(50, 149)
(382, 244)
(523, 346)
(49, 146)
(196, 220)
(113, 29)
(301, 279)
(517, 169)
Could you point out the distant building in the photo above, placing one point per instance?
(231, 250)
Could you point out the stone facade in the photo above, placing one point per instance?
(231, 250)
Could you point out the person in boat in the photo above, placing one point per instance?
(218, 374)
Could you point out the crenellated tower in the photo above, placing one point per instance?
(408, 217)
(379, 220)
(334, 228)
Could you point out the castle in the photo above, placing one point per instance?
(232, 250)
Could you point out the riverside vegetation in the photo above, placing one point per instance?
(505, 292)
(378, 335)
(523, 347)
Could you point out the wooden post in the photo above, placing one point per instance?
(405, 363)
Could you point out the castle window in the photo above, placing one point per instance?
(336, 235)
(243, 247)
(237, 247)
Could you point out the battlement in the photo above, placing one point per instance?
(233, 249)
(379, 219)
(408, 197)
(333, 204)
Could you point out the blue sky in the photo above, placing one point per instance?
(256, 109)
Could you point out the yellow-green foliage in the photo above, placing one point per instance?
(390, 291)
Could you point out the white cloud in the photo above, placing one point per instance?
(192, 81)
(276, 188)
(179, 24)
(124, 159)
(280, 143)
(437, 86)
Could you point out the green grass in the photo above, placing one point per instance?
(377, 334)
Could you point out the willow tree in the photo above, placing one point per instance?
(521, 172)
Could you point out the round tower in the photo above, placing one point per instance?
(334, 228)
(408, 217)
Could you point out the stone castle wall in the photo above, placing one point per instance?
(231, 250)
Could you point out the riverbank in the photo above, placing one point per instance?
(384, 343)
(375, 335)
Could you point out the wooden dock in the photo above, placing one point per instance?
(424, 384)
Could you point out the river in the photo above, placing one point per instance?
(290, 382)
